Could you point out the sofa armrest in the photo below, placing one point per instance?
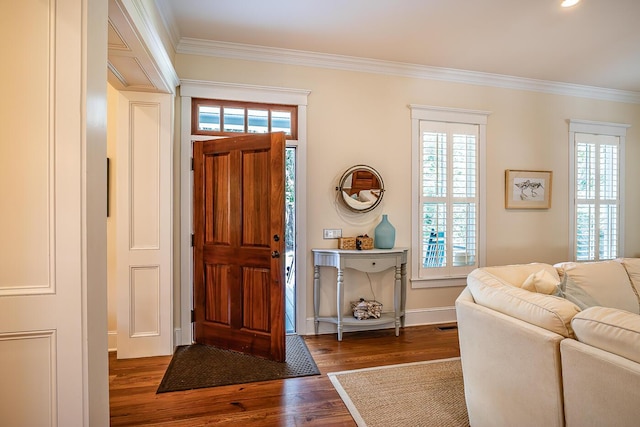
(511, 368)
(600, 388)
(546, 311)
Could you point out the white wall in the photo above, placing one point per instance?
(356, 117)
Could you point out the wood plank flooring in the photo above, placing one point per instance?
(306, 401)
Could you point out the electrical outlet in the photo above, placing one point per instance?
(331, 233)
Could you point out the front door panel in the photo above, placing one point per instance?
(239, 227)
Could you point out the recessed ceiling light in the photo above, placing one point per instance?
(569, 3)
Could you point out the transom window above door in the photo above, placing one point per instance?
(223, 118)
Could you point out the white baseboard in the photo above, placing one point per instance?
(427, 316)
(177, 337)
(112, 340)
(431, 316)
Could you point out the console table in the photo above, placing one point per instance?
(369, 261)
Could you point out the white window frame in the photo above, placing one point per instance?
(248, 93)
(451, 115)
(596, 128)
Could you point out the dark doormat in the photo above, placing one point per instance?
(199, 366)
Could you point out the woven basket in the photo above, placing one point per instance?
(364, 243)
(347, 243)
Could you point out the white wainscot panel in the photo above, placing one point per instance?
(27, 369)
(27, 154)
(145, 175)
(145, 301)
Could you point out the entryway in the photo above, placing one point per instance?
(220, 105)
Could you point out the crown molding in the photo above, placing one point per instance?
(169, 21)
(350, 63)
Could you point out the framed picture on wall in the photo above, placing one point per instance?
(525, 189)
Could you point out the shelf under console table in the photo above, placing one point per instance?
(368, 261)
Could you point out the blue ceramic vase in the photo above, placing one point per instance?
(384, 236)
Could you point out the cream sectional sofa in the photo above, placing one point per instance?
(552, 345)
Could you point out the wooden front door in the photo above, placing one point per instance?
(239, 244)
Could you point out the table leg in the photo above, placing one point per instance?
(403, 293)
(316, 296)
(397, 298)
(340, 297)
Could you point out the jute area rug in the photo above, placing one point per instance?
(199, 366)
(412, 394)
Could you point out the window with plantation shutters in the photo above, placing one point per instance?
(449, 181)
(448, 212)
(597, 190)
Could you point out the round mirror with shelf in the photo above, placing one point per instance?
(361, 188)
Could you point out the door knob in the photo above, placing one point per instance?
(275, 254)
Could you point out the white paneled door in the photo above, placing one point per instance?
(53, 353)
(144, 224)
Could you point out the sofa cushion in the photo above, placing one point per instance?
(546, 311)
(632, 265)
(576, 294)
(542, 281)
(609, 329)
(606, 281)
(517, 274)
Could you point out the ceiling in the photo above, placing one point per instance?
(596, 43)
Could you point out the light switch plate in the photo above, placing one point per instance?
(331, 233)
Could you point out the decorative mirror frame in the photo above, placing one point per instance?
(363, 202)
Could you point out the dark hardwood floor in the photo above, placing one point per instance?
(291, 402)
